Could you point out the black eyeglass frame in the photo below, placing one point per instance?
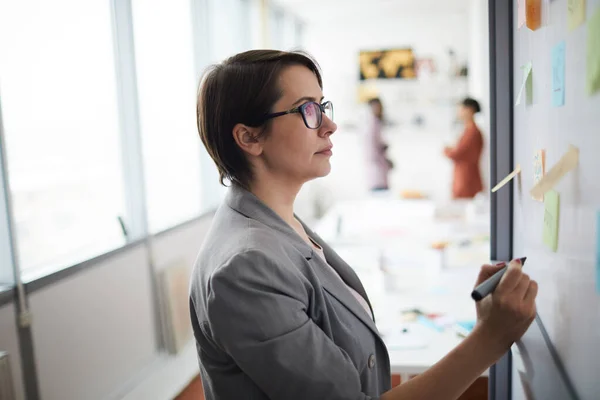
(300, 109)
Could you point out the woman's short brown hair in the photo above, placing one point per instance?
(242, 89)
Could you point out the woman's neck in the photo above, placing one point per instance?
(278, 196)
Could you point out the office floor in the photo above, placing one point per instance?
(193, 391)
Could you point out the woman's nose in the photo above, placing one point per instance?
(328, 127)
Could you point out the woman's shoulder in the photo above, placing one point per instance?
(236, 239)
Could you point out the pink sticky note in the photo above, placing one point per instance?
(521, 13)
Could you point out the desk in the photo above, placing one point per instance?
(389, 244)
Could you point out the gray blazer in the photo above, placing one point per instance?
(272, 321)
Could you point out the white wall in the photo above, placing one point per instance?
(9, 342)
(94, 332)
(417, 152)
(94, 329)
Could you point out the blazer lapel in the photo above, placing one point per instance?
(335, 287)
(340, 266)
(332, 283)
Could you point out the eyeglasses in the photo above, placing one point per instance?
(312, 113)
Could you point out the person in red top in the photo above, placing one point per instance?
(467, 153)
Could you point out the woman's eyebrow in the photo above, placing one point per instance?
(306, 98)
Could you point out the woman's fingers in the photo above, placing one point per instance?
(531, 293)
(511, 278)
(487, 271)
(522, 287)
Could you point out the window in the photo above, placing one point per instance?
(6, 262)
(58, 88)
(289, 32)
(298, 34)
(167, 98)
(255, 25)
(276, 28)
(230, 27)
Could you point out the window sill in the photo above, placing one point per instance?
(35, 281)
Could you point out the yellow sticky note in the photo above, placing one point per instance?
(551, 211)
(593, 53)
(539, 168)
(567, 162)
(508, 178)
(576, 13)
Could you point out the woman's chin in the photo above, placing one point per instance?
(321, 172)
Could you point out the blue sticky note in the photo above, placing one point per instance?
(598, 253)
(558, 75)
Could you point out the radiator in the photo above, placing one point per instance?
(6, 384)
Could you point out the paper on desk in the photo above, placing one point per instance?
(568, 162)
(412, 337)
(558, 75)
(551, 211)
(593, 53)
(508, 178)
(576, 13)
(527, 68)
(539, 167)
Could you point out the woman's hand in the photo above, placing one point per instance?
(505, 315)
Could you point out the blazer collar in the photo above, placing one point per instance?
(246, 203)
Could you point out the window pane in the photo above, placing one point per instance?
(167, 90)
(298, 30)
(276, 29)
(57, 82)
(229, 28)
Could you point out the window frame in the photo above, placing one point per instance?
(500, 14)
(7, 261)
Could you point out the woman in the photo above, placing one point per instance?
(467, 153)
(378, 165)
(276, 313)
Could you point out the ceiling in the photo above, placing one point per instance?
(360, 10)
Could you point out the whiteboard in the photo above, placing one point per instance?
(568, 304)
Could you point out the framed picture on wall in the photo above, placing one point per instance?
(387, 64)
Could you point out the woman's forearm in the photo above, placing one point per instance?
(453, 374)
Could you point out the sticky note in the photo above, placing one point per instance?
(598, 253)
(508, 178)
(533, 11)
(567, 162)
(527, 68)
(521, 14)
(593, 53)
(558, 75)
(576, 13)
(539, 168)
(551, 209)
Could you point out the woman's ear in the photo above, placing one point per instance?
(248, 138)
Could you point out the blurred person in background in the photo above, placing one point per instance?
(378, 164)
(276, 313)
(466, 154)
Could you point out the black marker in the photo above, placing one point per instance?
(488, 286)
